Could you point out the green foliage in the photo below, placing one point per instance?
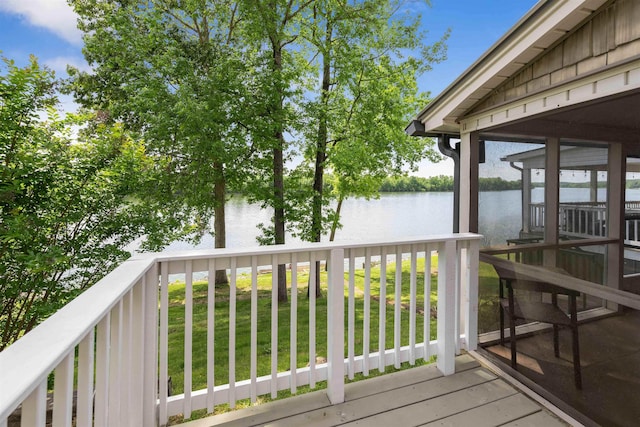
(68, 204)
(225, 91)
(497, 184)
(441, 183)
(367, 56)
(181, 75)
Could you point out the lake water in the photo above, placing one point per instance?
(398, 215)
(393, 215)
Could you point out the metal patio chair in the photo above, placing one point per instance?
(515, 306)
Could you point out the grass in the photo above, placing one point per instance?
(488, 297)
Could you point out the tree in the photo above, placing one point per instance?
(366, 95)
(68, 204)
(181, 76)
(276, 24)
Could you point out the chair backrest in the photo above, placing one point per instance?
(508, 274)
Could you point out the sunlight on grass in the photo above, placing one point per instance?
(264, 343)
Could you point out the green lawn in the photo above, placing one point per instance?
(243, 322)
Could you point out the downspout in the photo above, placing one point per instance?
(416, 128)
(523, 207)
(444, 145)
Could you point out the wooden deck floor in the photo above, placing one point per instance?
(419, 396)
(610, 359)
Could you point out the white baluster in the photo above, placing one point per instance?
(232, 335)
(151, 359)
(397, 319)
(274, 325)
(293, 332)
(34, 408)
(351, 338)
(412, 304)
(63, 393)
(136, 376)
(211, 334)
(102, 372)
(382, 314)
(164, 343)
(426, 325)
(115, 363)
(126, 359)
(188, 338)
(312, 319)
(86, 355)
(254, 328)
(367, 312)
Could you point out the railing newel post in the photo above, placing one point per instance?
(446, 310)
(335, 327)
(470, 294)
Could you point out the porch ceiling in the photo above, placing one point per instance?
(613, 119)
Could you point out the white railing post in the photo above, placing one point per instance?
(470, 302)
(150, 351)
(335, 327)
(446, 309)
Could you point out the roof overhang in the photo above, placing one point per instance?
(546, 23)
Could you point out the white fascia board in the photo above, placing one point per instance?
(547, 22)
(601, 84)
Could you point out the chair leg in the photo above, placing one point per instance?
(512, 341)
(577, 371)
(501, 296)
(556, 341)
(502, 326)
(512, 328)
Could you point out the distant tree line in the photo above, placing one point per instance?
(399, 184)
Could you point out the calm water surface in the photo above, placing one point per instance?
(399, 215)
(392, 216)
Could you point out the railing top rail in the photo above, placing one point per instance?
(25, 362)
(512, 249)
(303, 247)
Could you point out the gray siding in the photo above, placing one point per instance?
(611, 36)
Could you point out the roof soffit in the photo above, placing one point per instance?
(540, 29)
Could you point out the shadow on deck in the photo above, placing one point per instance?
(610, 360)
(419, 396)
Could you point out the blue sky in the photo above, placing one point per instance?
(46, 28)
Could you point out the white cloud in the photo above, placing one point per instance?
(55, 15)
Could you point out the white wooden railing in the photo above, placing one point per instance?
(115, 335)
(586, 220)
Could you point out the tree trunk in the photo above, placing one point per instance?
(321, 153)
(219, 229)
(334, 226)
(278, 185)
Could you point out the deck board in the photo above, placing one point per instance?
(538, 419)
(379, 403)
(497, 412)
(473, 395)
(435, 408)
